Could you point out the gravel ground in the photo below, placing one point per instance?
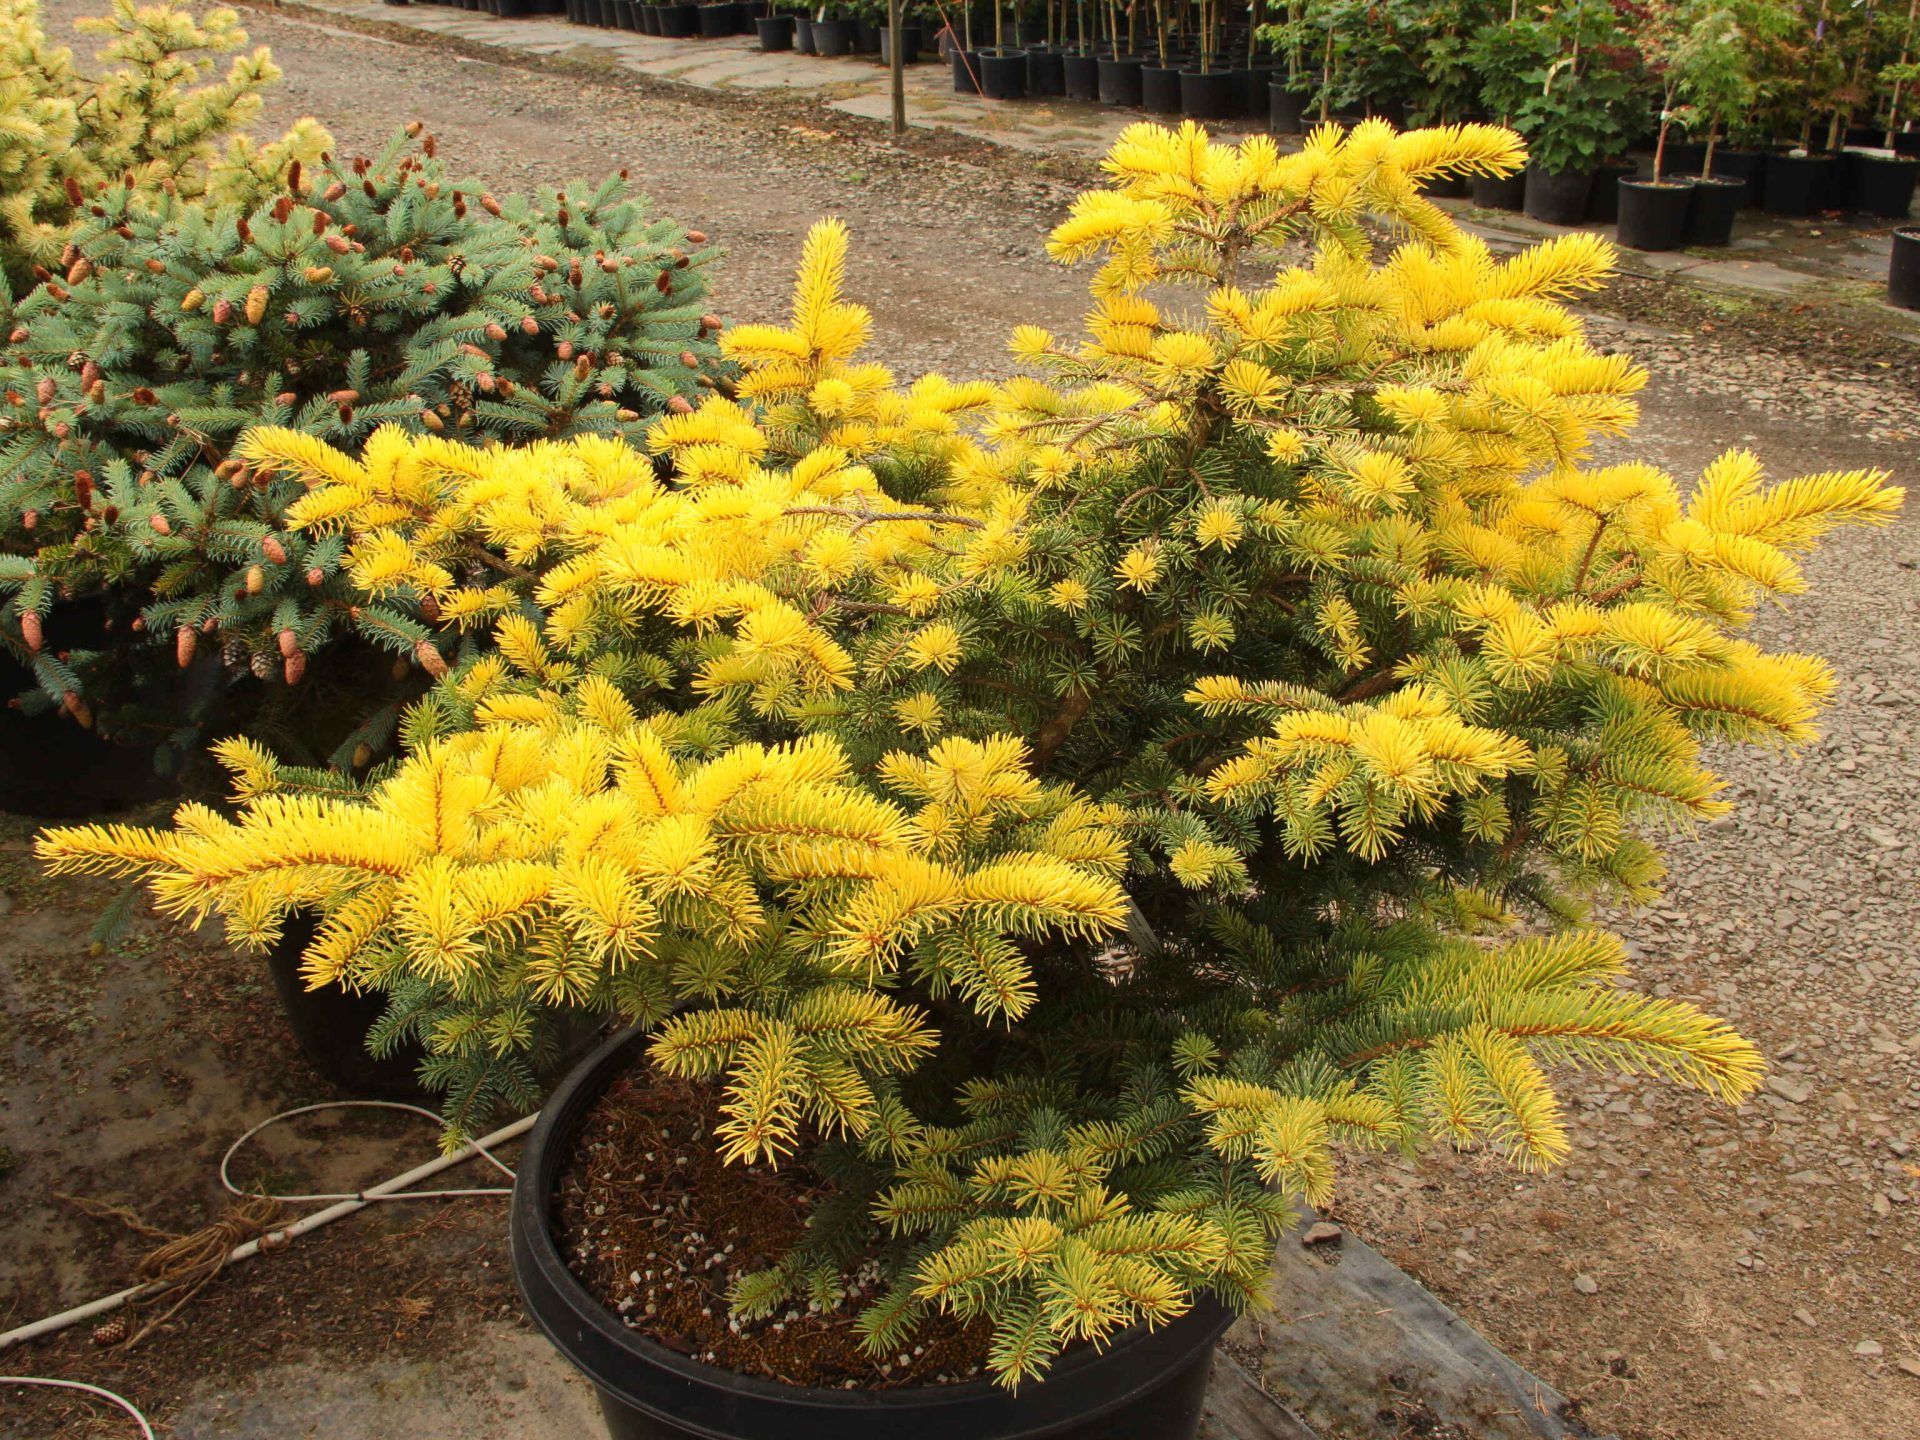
(1692, 1273)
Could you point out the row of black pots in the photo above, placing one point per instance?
(1179, 88)
(505, 9)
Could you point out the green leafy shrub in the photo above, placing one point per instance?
(63, 136)
(366, 293)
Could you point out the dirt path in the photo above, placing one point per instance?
(1752, 1276)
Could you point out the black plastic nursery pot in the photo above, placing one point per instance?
(1143, 1386)
(1798, 185)
(1003, 74)
(1907, 142)
(1286, 108)
(719, 20)
(966, 71)
(649, 17)
(1119, 80)
(1445, 187)
(834, 37)
(1653, 216)
(1080, 76)
(1903, 270)
(1046, 71)
(330, 1024)
(1208, 95)
(626, 14)
(679, 22)
(1250, 92)
(1747, 166)
(1160, 89)
(866, 37)
(909, 44)
(803, 35)
(1716, 201)
(1879, 184)
(1603, 201)
(1559, 197)
(776, 31)
(1499, 192)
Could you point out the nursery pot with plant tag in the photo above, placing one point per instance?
(1119, 80)
(1046, 71)
(330, 1024)
(1653, 214)
(1285, 107)
(1903, 270)
(1499, 192)
(834, 37)
(1143, 1385)
(679, 22)
(1160, 89)
(1003, 74)
(776, 31)
(966, 71)
(1877, 183)
(1716, 201)
(1798, 184)
(1080, 76)
(1559, 197)
(1208, 95)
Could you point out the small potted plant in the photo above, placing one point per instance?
(1509, 56)
(1035, 825)
(775, 30)
(1080, 61)
(1716, 61)
(1813, 92)
(1160, 80)
(1576, 114)
(1118, 70)
(1654, 213)
(1903, 269)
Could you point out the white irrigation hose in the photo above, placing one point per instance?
(120, 1400)
(479, 1145)
(385, 1190)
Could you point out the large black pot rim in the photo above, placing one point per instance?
(1082, 1386)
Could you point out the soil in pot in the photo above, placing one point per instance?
(1903, 270)
(1046, 71)
(1559, 197)
(1119, 80)
(1160, 89)
(1798, 184)
(1003, 74)
(1716, 201)
(1499, 192)
(1208, 95)
(1143, 1385)
(1080, 76)
(1653, 216)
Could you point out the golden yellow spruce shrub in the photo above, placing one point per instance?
(1070, 811)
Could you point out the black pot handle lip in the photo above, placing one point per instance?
(592, 1325)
